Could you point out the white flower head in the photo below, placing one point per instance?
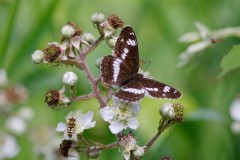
(235, 110)
(26, 113)
(70, 78)
(76, 122)
(121, 116)
(8, 147)
(16, 124)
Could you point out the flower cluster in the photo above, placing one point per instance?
(121, 115)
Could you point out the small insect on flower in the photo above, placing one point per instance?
(76, 123)
(71, 123)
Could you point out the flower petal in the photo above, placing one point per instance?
(90, 125)
(88, 117)
(126, 154)
(116, 127)
(61, 127)
(136, 108)
(107, 114)
(133, 123)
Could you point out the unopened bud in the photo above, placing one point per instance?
(38, 56)
(111, 42)
(89, 38)
(97, 18)
(98, 62)
(167, 111)
(67, 31)
(70, 78)
(139, 152)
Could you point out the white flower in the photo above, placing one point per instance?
(203, 30)
(167, 111)
(192, 50)
(121, 116)
(235, 110)
(8, 146)
(235, 126)
(38, 56)
(189, 37)
(16, 125)
(76, 122)
(70, 78)
(26, 113)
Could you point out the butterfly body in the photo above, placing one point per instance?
(121, 70)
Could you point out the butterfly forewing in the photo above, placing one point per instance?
(126, 48)
(113, 70)
(159, 90)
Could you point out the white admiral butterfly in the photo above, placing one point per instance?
(121, 69)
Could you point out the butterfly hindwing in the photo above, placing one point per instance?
(132, 92)
(159, 90)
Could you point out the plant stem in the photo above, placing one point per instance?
(89, 50)
(83, 98)
(92, 81)
(163, 125)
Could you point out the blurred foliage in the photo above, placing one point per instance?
(205, 134)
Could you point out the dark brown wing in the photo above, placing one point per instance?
(113, 70)
(132, 92)
(126, 48)
(125, 60)
(159, 90)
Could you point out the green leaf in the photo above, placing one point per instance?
(230, 61)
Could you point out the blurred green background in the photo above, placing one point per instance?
(26, 26)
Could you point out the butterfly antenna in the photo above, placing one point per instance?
(149, 62)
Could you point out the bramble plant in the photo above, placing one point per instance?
(119, 75)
